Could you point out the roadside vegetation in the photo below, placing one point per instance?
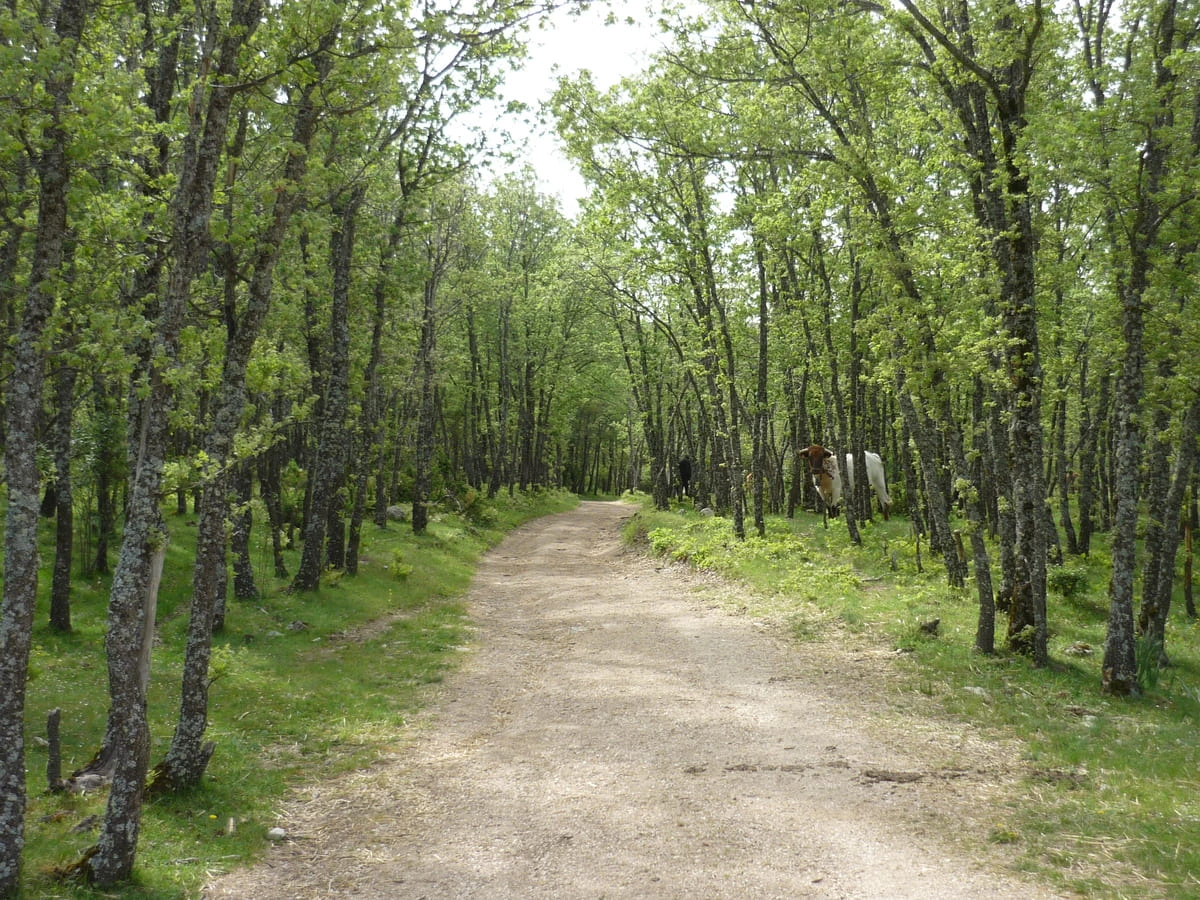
(304, 685)
(1109, 806)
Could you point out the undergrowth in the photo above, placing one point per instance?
(1109, 805)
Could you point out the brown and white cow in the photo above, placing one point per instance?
(827, 477)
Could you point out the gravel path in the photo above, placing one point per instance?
(617, 733)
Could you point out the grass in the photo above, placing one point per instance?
(307, 686)
(1110, 803)
(304, 686)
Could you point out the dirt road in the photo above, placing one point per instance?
(616, 733)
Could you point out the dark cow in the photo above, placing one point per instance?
(685, 474)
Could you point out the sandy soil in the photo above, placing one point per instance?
(618, 732)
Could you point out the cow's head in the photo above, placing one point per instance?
(823, 467)
(816, 458)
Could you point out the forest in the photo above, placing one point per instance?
(249, 269)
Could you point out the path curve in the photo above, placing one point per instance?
(615, 734)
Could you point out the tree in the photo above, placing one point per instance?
(188, 756)
(23, 406)
(143, 548)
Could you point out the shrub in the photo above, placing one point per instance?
(1069, 582)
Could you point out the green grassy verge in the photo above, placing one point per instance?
(304, 686)
(1110, 806)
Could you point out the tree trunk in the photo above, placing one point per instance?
(1119, 667)
(797, 414)
(1064, 481)
(500, 462)
(935, 497)
(423, 461)
(1087, 463)
(370, 432)
(1119, 671)
(1189, 532)
(332, 450)
(135, 582)
(477, 449)
(64, 513)
(244, 587)
(985, 628)
(1160, 567)
(758, 466)
(270, 489)
(23, 406)
(188, 756)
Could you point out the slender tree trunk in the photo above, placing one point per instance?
(1087, 463)
(500, 462)
(106, 429)
(425, 415)
(23, 405)
(358, 509)
(244, 587)
(985, 629)
(370, 434)
(1064, 481)
(935, 497)
(1119, 667)
(796, 418)
(188, 756)
(135, 582)
(1160, 568)
(759, 468)
(64, 514)
(270, 489)
(1189, 532)
(332, 450)
(477, 448)
(911, 486)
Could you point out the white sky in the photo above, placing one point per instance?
(563, 47)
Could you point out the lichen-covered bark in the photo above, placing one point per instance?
(130, 631)
(188, 756)
(1160, 567)
(332, 443)
(23, 406)
(134, 589)
(244, 586)
(64, 507)
(1119, 667)
(423, 459)
(935, 497)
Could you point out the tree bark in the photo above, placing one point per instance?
(1119, 667)
(244, 586)
(64, 512)
(1087, 463)
(370, 430)
(270, 482)
(135, 582)
(188, 755)
(23, 405)
(1064, 481)
(1159, 577)
(330, 460)
(985, 628)
(425, 410)
(935, 497)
